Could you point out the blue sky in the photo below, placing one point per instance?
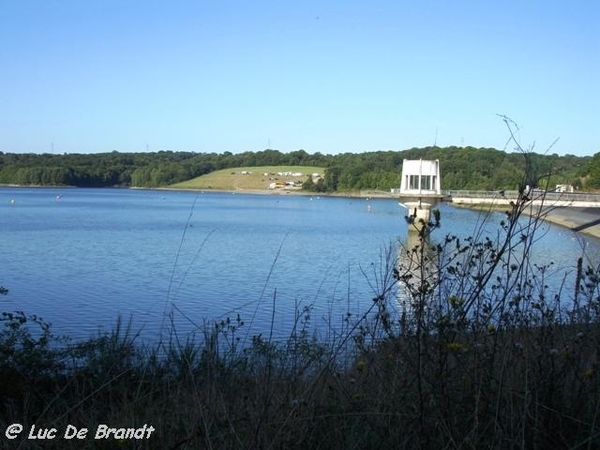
(323, 76)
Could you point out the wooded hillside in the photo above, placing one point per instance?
(461, 167)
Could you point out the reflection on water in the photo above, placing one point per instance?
(443, 272)
(417, 275)
(409, 273)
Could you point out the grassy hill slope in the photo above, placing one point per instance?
(248, 178)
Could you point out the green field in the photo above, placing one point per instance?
(248, 178)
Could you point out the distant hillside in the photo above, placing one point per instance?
(461, 168)
(254, 178)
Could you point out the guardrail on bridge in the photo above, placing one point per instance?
(573, 199)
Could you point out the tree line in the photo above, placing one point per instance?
(461, 168)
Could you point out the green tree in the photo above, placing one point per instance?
(593, 169)
(332, 176)
(309, 184)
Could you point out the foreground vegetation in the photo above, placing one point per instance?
(465, 346)
(461, 168)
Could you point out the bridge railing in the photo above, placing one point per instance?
(549, 196)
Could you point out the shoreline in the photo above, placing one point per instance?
(583, 220)
(278, 192)
(586, 221)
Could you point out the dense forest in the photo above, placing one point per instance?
(461, 167)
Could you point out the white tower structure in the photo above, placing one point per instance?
(420, 188)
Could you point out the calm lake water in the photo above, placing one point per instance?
(80, 258)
